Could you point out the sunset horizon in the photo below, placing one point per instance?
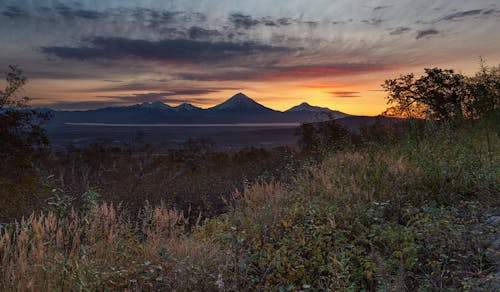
(333, 55)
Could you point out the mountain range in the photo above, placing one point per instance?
(237, 109)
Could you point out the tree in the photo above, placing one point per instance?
(443, 94)
(15, 81)
(484, 91)
(321, 138)
(439, 94)
(21, 129)
(22, 136)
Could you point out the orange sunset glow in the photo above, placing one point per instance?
(328, 54)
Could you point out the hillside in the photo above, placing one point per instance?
(386, 215)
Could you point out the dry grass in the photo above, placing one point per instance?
(101, 249)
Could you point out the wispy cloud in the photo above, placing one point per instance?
(382, 7)
(299, 72)
(462, 14)
(81, 105)
(169, 97)
(373, 21)
(197, 33)
(166, 96)
(400, 30)
(15, 12)
(427, 32)
(70, 12)
(345, 94)
(243, 21)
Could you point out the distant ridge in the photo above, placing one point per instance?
(237, 109)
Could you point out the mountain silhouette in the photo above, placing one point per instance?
(187, 107)
(308, 108)
(240, 102)
(154, 105)
(237, 109)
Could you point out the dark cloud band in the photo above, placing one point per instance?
(170, 50)
(269, 73)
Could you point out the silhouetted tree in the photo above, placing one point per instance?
(439, 94)
(21, 138)
(443, 94)
(484, 91)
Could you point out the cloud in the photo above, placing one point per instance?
(136, 86)
(191, 91)
(427, 32)
(243, 21)
(139, 97)
(196, 32)
(491, 11)
(155, 18)
(165, 96)
(462, 14)
(284, 73)
(345, 94)
(373, 21)
(311, 24)
(162, 85)
(400, 30)
(80, 105)
(15, 12)
(109, 17)
(176, 95)
(284, 21)
(71, 13)
(55, 72)
(269, 21)
(381, 7)
(168, 50)
(122, 101)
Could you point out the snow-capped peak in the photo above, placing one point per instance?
(305, 107)
(154, 105)
(187, 107)
(240, 101)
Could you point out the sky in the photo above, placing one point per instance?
(336, 53)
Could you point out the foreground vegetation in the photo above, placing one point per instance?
(404, 204)
(406, 215)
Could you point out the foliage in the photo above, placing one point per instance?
(438, 94)
(322, 138)
(179, 177)
(9, 97)
(22, 137)
(444, 94)
(403, 216)
(484, 88)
